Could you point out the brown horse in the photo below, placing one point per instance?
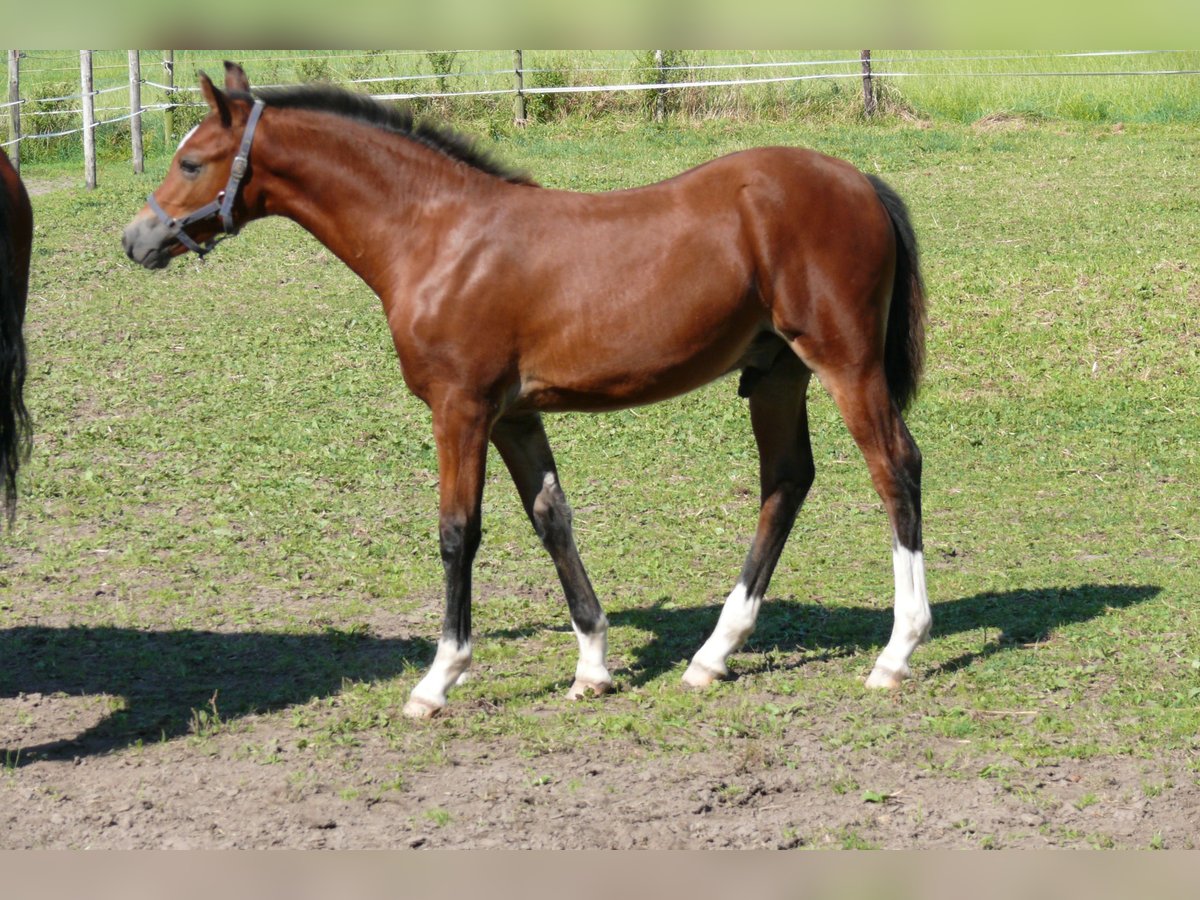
(506, 300)
(16, 236)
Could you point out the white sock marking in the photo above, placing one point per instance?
(449, 665)
(735, 625)
(912, 615)
(592, 650)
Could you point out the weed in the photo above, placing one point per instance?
(206, 723)
(1086, 800)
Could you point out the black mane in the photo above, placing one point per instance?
(396, 119)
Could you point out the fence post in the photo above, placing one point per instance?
(135, 109)
(89, 118)
(519, 67)
(660, 99)
(868, 88)
(14, 111)
(169, 112)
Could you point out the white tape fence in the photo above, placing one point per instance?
(169, 94)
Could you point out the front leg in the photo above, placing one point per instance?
(525, 449)
(460, 428)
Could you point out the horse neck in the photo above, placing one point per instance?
(368, 195)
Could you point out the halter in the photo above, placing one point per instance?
(223, 204)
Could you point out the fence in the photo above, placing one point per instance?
(457, 75)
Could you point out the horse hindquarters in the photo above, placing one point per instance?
(846, 295)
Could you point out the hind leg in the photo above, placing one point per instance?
(895, 464)
(780, 421)
(526, 451)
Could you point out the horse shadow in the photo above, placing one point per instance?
(173, 682)
(1011, 621)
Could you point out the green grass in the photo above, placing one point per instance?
(232, 491)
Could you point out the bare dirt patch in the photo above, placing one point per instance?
(1001, 121)
(254, 785)
(37, 186)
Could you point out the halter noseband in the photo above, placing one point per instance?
(223, 205)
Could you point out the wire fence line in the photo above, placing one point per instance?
(453, 76)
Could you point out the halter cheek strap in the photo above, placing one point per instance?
(222, 206)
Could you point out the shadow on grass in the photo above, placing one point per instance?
(168, 679)
(1021, 618)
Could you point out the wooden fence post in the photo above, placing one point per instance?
(519, 67)
(89, 118)
(14, 111)
(169, 112)
(868, 88)
(135, 110)
(660, 98)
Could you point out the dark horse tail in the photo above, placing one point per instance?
(14, 418)
(904, 349)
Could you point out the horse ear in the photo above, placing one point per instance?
(216, 101)
(235, 78)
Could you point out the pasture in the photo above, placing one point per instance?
(224, 576)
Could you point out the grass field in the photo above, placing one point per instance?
(229, 521)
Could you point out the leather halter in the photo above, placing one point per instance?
(222, 206)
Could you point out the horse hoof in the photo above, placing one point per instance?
(583, 689)
(884, 680)
(701, 676)
(416, 708)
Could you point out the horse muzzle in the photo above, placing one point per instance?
(150, 243)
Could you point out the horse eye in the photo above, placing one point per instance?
(188, 167)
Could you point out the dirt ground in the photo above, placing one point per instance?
(186, 793)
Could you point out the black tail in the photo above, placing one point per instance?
(15, 427)
(904, 351)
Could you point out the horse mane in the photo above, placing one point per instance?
(398, 119)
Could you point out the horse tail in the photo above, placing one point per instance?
(15, 428)
(904, 347)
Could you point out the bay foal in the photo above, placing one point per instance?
(506, 300)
